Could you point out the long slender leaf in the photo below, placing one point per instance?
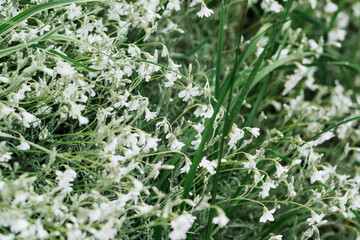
(13, 22)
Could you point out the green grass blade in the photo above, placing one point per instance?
(10, 50)
(13, 22)
(217, 86)
(55, 53)
(219, 51)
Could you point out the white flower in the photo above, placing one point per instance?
(173, 4)
(209, 112)
(277, 237)
(144, 209)
(254, 131)
(268, 184)
(222, 220)
(235, 135)
(75, 113)
(18, 225)
(64, 69)
(5, 156)
(65, 179)
(188, 92)
(5, 111)
(267, 215)
(134, 50)
(133, 104)
(28, 118)
(95, 214)
(204, 11)
(151, 143)
(324, 137)
(74, 11)
(271, 6)
(316, 218)
(330, 7)
(149, 115)
(337, 34)
(343, 201)
(75, 234)
(209, 165)
(199, 128)
(107, 232)
(176, 145)
(171, 77)
(251, 164)
(180, 226)
(186, 167)
(313, 3)
(280, 170)
(23, 146)
(356, 9)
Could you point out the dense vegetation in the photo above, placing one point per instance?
(153, 119)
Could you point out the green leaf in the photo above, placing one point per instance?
(13, 22)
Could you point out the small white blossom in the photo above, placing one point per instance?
(268, 184)
(189, 91)
(180, 226)
(107, 232)
(173, 5)
(277, 237)
(316, 219)
(204, 11)
(235, 135)
(74, 11)
(271, 6)
(5, 157)
(254, 131)
(65, 179)
(149, 115)
(221, 220)
(209, 165)
(64, 69)
(330, 7)
(267, 215)
(23, 146)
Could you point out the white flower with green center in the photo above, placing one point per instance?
(189, 91)
(74, 11)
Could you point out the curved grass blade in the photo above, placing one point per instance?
(76, 63)
(8, 51)
(13, 22)
(217, 92)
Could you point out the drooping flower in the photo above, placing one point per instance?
(209, 165)
(267, 215)
(235, 135)
(221, 220)
(204, 11)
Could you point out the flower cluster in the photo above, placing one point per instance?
(134, 119)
